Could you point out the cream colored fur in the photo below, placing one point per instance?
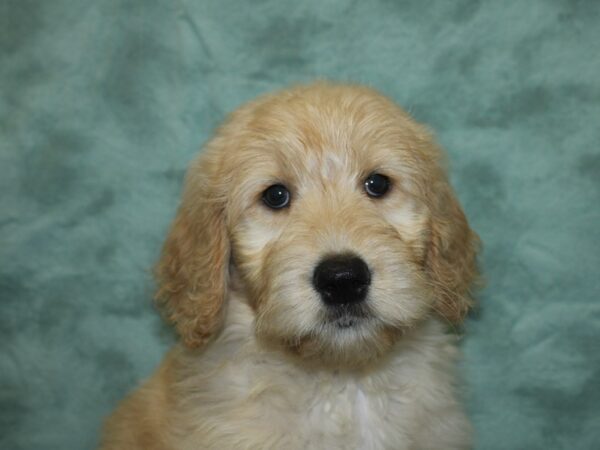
(258, 365)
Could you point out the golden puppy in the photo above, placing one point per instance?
(315, 261)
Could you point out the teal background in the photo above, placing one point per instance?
(104, 103)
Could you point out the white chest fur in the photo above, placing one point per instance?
(241, 397)
(350, 415)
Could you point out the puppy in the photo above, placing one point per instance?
(318, 256)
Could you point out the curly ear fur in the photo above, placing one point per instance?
(192, 270)
(451, 257)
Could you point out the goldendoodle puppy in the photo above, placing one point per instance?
(318, 256)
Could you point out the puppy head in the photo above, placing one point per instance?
(331, 205)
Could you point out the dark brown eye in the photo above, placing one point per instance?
(276, 196)
(377, 185)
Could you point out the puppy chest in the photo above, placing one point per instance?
(299, 416)
(348, 414)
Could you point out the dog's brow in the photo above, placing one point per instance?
(326, 164)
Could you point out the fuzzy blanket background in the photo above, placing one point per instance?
(103, 104)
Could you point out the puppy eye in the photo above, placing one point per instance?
(376, 185)
(276, 196)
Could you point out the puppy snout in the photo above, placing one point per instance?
(342, 279)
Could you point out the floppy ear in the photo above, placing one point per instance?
(192, 270)
(451, 256)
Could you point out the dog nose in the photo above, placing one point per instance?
(342, 279)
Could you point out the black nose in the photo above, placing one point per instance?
(342, 279)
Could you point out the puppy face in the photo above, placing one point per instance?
(331, 205)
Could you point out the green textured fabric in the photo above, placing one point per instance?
(104, 103)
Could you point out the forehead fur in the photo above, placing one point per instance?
(323, 117)
(317, 129)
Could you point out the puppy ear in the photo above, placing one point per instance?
(192, 270)
(451, 256)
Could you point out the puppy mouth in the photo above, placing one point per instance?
(347, 316)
